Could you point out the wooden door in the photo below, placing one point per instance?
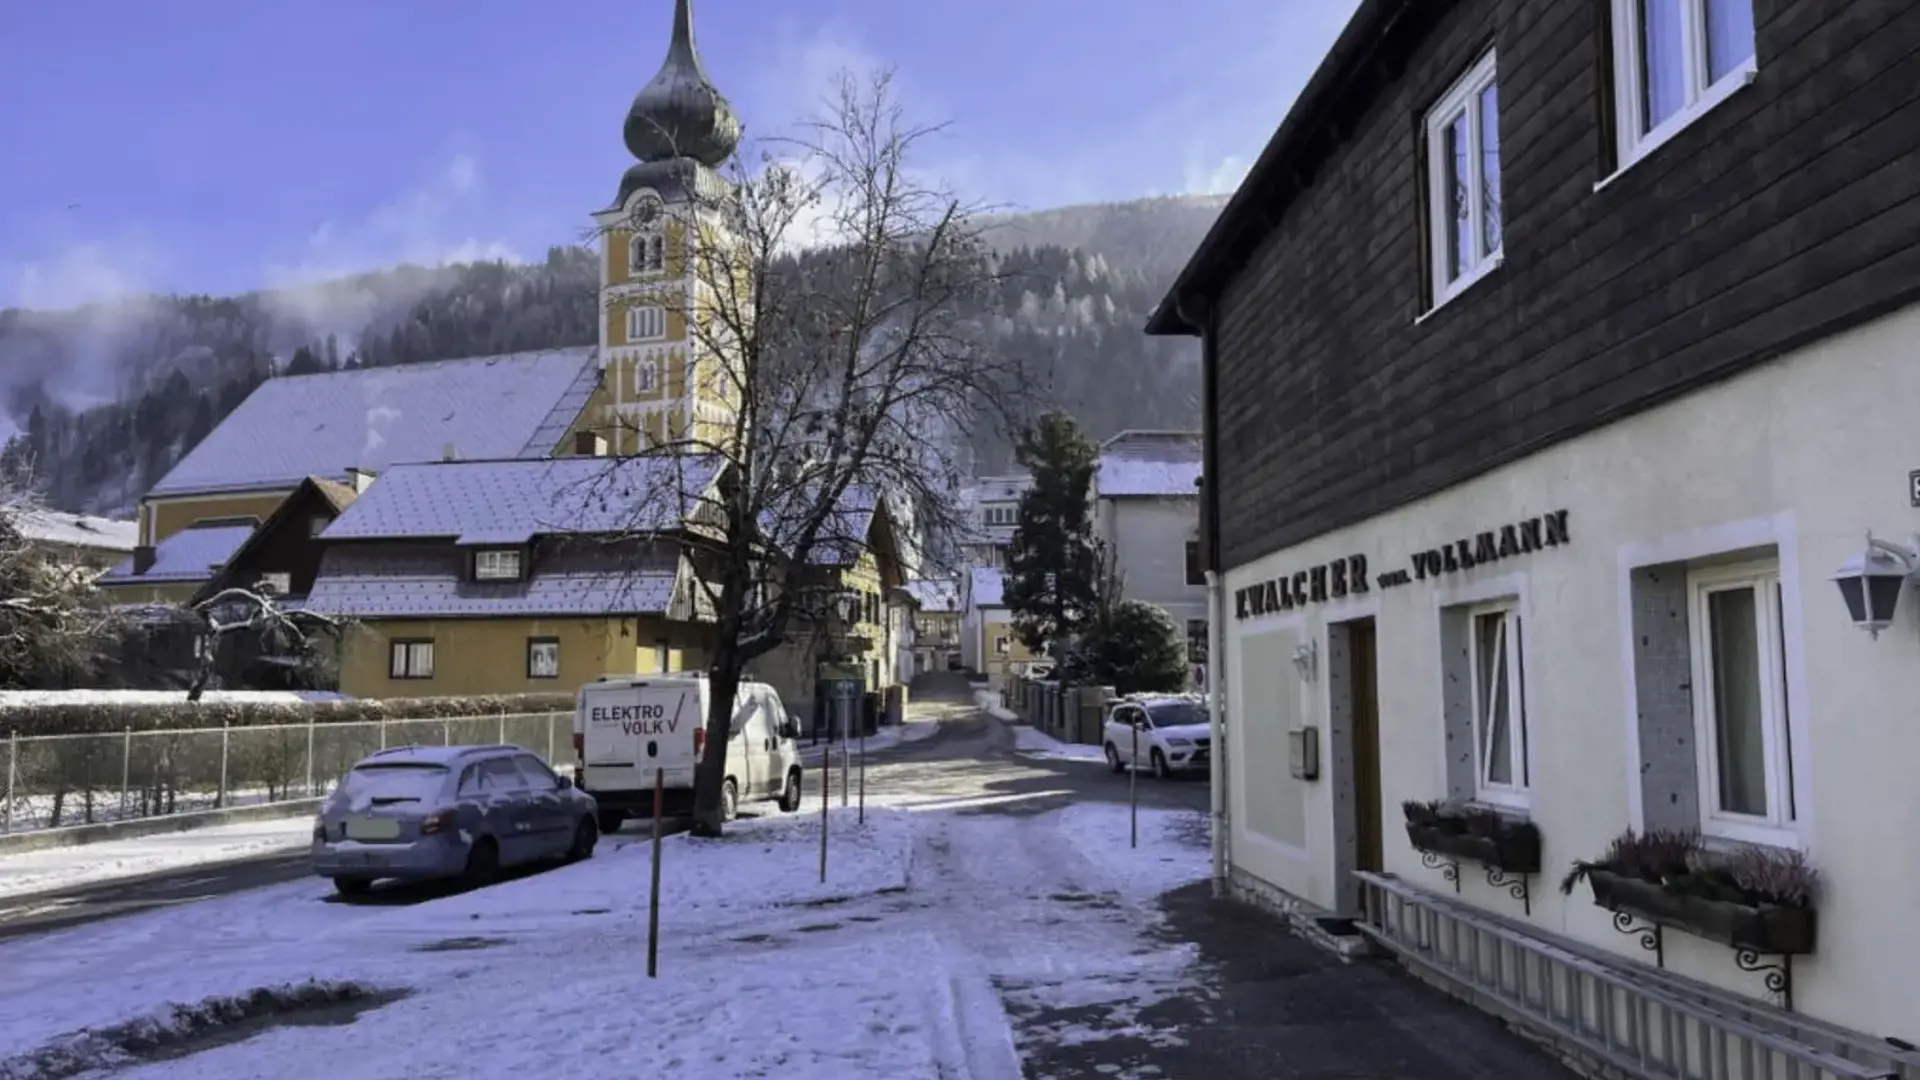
(1369, 853)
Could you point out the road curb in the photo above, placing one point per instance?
(138, 828)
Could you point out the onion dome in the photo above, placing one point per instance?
(680, 114)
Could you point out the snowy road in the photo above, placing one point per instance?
(988, 921)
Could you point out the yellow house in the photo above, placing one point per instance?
(345, 426)
(988, 642)
(514, 576)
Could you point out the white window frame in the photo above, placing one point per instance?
(1513, 669)
(646, 322)
(647, 252)
(1462, 99)
(1779, 826)
(498, 564)
(280, 582)
(1629, 100)
(410, 659)
(646, 376)
(1002, 645)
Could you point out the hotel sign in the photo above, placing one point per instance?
(1349, 576)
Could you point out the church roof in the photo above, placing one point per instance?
(291, 427)
(680, 113)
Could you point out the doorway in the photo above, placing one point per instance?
(1354, 700)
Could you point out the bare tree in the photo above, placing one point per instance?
(836, 284)
(54, 627)
(234, 617)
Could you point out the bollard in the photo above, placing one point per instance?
(653, 894)
(826, 806)
(1133, 792)
(863, 774)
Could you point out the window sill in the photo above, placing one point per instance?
(1514, 807)
(1721, 835)
(1466, 283)
(1682, 120)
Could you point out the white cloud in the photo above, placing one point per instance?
(432, 224)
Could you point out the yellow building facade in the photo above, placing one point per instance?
(386, 658)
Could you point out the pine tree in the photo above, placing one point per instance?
(200, 426)
(333, 353)
(303, 362)
(1052, 566)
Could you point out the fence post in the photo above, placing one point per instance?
(126, 766)
(309, 757)
(226, 740)
(446, 731)
(383, 733)
(13, 766)
(503, 728)
(551, 719)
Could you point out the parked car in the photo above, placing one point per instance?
(1174, 734)
(629, 730)
(425, 812)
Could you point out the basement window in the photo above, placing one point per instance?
(499, 564)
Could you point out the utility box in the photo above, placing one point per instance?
(1303, 753)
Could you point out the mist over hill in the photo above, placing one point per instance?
(109, 396)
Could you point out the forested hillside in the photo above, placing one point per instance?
(109, 396)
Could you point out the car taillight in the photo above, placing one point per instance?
(438, 823)
(699, 743)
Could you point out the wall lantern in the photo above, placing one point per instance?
(1303, 660)
(1871, 582)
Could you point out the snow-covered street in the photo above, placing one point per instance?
(988, 920)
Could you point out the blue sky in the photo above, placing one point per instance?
(223, 145)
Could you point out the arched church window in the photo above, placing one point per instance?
(647, 254)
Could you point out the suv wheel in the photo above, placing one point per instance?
(1113, 759)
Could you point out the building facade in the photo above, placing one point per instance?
(992, 507)
(1147, 514)
(936, 624)
(1558, 356)
(988, 643)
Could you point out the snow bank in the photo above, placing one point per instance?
(85, 864)
(1173, 847)
(989, 702)
(17, 699)
(1031, 740)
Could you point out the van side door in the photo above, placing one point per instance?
(785, 752)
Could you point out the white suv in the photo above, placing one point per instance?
(1174, 735)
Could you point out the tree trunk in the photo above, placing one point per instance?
(723, 683)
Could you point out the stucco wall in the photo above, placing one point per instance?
(489, 656)
(1151, 537)
(1802, 456)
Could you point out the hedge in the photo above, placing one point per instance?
(102, 718)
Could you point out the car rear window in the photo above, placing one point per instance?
(395, 782)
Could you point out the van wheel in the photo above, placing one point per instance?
(729, 800)
(1113, 759)
(610, 821)
(790, 798)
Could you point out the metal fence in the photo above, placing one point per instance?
(58, 780)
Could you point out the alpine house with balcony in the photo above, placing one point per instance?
(1560, 359)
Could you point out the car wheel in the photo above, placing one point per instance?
(483, 862)
(1113, 759)
(790, 798)
(585, 836)
(729, 800)
(1160, 770)
(352, 886)
(610, 821)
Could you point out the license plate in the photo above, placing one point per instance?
(373, 829)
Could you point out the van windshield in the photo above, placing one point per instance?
(395, 782)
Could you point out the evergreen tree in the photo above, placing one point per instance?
(304, 362)
(1138, 649)
(37, 432)
(333, 353)
(200, 426)
(1052, 566)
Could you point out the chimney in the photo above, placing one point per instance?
(589, 444)
(449, 452)
(359, 478)
(142, 558)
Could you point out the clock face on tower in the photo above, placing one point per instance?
(646, 212)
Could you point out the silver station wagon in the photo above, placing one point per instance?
(426, 812)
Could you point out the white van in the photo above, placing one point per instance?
(628, 729)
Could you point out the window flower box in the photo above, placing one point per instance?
(1474, 834)
(1753, 899)
(1759, 927)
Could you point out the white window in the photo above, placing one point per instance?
(1463, 182)
(646, 323)
(646, 376)
(1743, 734)
(276, 584)
(1002, 645)
(647, 253)
(543, 658)
(1003, 515)
(1498, 694)
(411, 660)
(1672, 61)
(502, 564)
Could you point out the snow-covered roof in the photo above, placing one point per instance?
(989, 489)
(987, 589)
(405, 582)
(192, 554)
(512, 501)
(935, 595)
(78, 530)
(518, 405)
(1149, 464)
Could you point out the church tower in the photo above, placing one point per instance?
(663, 377)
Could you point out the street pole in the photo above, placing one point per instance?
(1133, 792)
(826, 806)
(863, 773)
(846, 752)
(653, 894)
